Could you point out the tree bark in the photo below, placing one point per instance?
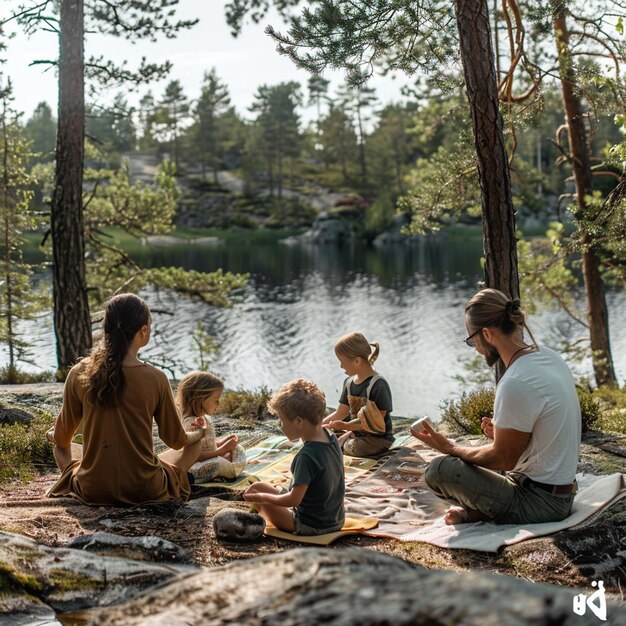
(72, 323)
(499, 242)
(581, 162)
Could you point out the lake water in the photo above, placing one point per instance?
(302, 298)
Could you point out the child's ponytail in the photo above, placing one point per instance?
(372, 357)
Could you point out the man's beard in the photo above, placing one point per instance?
(492, 356)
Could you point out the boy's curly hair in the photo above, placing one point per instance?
(299, 398)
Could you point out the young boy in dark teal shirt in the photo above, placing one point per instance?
(314, 503)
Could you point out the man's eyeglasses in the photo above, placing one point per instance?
(469, 341)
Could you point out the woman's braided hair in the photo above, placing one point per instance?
(102, 373)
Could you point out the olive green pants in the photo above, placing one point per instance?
(506, 498)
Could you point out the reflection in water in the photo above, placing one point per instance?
(301, 299)
(276, 263)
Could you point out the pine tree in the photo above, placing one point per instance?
(338, 139)
(171, 113)
(41, 130)
(359, 100)
(112, 127)
(209, 135)
(318, 92)
(147, 108)
(278, 135)
(18, 300)
(134, 20)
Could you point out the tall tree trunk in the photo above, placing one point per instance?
(72, 324)
(581, 162)
(499, 243)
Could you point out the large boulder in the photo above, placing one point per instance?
(350, 587)
(328, 230)
(67, 579)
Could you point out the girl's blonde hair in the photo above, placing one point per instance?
(355, 345)
(490, 308)
(193, 389)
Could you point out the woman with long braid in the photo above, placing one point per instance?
(117, 397)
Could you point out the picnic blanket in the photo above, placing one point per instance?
(353, 524)
(395, 493)
(408, 511)
(597, 493)
(270, 461)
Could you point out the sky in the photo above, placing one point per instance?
(243, 63)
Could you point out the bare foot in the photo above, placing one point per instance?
(455, 516)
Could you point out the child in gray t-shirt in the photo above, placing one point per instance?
(314, 503)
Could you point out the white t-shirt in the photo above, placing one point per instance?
(537, 395)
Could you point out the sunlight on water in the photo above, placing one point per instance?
(301, 300)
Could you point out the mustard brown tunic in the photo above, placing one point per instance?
(119, 465)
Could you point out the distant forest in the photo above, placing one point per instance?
(354, 143)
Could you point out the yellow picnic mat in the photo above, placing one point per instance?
(354, 524)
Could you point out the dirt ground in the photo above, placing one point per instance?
(576, 557)
(571, 558)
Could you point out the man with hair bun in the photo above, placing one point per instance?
(527, 473)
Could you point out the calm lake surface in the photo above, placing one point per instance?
(302, 298)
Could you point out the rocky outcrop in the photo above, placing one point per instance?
(152, 549)
(327, 230)
(575, 557)
(65, 579)
(394, 235)
(347, 587)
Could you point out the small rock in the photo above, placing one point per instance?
(236, 525)
(15, 416)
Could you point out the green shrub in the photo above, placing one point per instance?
(24, 449)
(14, 376)
(463, 416)
(589, 408)
(379, 215)
(612, 403)
(245, 405)
(239, 220)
